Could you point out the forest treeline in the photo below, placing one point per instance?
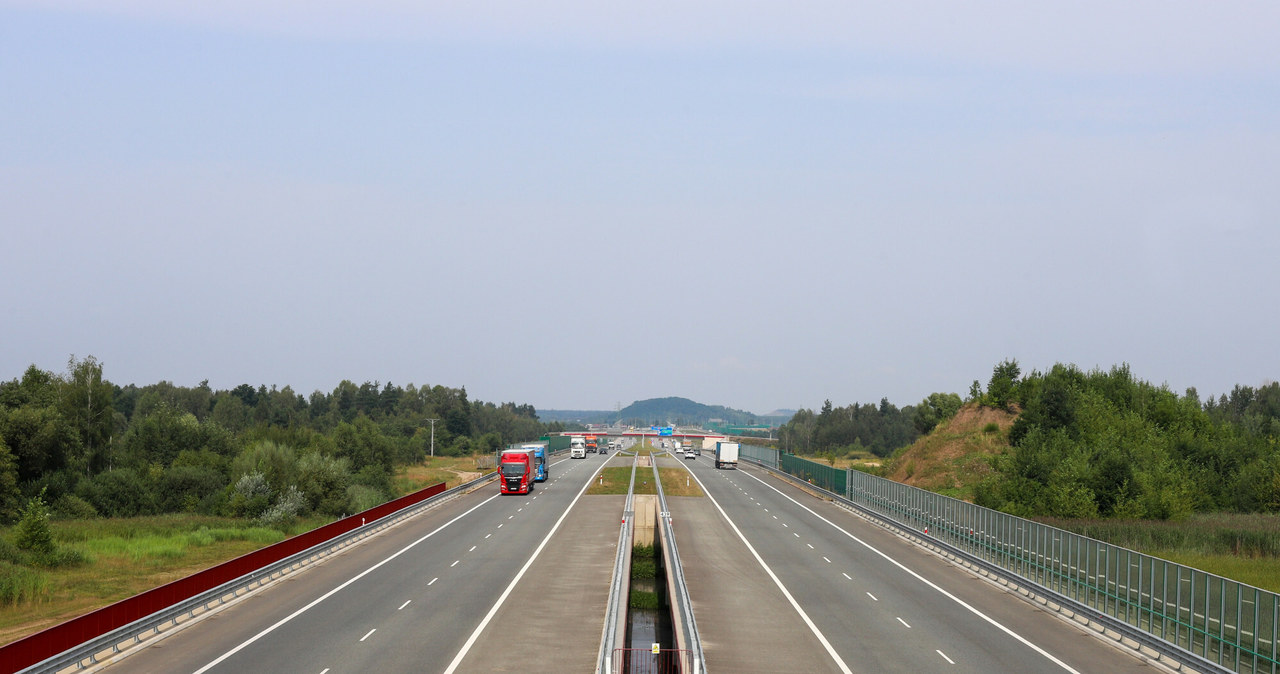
(87, 447)
(1104, 444)
(1086, 444)
(879, 429)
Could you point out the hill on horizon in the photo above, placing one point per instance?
(663, 411)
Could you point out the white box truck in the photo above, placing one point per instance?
(577, 447)
(726, 455)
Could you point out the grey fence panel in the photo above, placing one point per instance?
(762, 455)
(1225, 622)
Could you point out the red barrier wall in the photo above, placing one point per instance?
(42, 645)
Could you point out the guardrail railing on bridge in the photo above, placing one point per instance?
(615, 620)
(1182, 613)
(688, 639)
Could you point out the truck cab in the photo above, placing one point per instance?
(577, 448)
(540, 468)
(516, 471)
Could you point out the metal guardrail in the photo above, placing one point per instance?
(112, 643)
(649, 661)
(912, 517)
(689, 640)
(615, 621)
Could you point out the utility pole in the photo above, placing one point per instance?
(433, 436)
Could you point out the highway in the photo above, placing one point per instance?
(413, 598)
(854, 597)
(780, 581)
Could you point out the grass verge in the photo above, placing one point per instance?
(677, 482)
(123, 557)
(614, 480)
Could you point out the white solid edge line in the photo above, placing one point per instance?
(457, 659)
(776, 581)
(335, 590)
(924, 580)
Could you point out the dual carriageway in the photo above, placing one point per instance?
(780, 581)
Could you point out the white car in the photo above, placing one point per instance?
(690, 454)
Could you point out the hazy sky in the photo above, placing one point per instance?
(578, 204)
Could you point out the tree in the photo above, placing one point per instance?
(37, 387)
(33, 533)
(277, 463)
(1004, 379)
(86, 404)
(40, 439)
(247, 395)
(935, 409)
(324, 481)
(10, 496)
(975, 392)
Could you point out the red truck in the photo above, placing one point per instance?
(516, 471)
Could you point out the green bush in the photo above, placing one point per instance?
(33, 533)
(118, 493)
(249, 496)
(285, 510)
(183, 487)
(72, 507)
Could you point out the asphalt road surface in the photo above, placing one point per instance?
(850, 595)
(410, 599)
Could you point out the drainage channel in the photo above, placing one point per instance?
(649, 625)
(650, 639)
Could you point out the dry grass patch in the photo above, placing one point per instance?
(677, 482)
(451, 470)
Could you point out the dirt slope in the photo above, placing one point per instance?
(956, 455)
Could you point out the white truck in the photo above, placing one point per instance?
(726, 455)
(577, 447)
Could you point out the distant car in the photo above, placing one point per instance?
(690, 454)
